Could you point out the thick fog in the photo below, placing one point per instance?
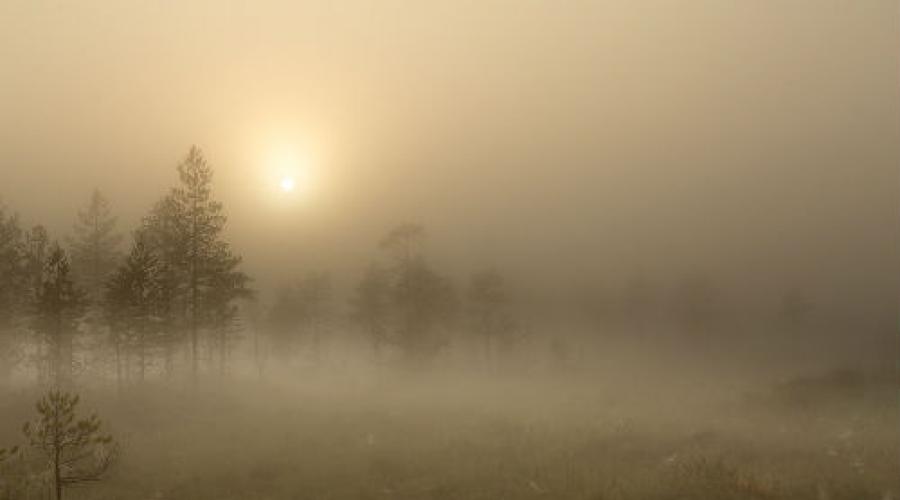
(757, 140)
(673, 226)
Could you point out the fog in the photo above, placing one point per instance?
(574, 229)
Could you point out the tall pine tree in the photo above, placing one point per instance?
(94, 246)
(13, 287)
(58, 306)
(136, 303)
(185, 232)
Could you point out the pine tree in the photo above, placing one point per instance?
(135, 304)
(488, 310)
(371, 306)
(7, 453)
(58, 306)
(13, 287)
(76, 450)
(12, 269)
(37, 247)
(283, 322)
(301, 310)
(94, 246)
(185, 232)
(12, 476)
(421, 299)
(225, 284)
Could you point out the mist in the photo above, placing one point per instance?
(611, 249)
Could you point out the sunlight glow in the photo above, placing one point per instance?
(288, 171)
(287, 184)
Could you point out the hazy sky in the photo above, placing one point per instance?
(756, 139)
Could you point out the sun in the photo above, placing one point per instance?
(288, 171)
(287, 184)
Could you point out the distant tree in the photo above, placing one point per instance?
(7, 453)
(488, 308)
(37, 247)
(12, 477)
(135, 305)
(76, 450)
(162, 232)
(638, 303)
(253, 312)
(421, 299)
(58, 306)
(94, 246)
(202, 223)
(370, 306)
(12, 269)
(301, 310)
(314, 294)
(283, 321)
(225, 285)
(595, 304)
(698, 303)
(13, 287)
(405, 242)
(795, 308)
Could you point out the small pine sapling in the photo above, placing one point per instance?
(76, 450)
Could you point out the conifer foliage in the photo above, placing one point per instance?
(76, 450)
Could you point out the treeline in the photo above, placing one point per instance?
(173, 290)
(405, 309)
(171, 298)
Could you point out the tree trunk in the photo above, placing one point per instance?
(118, 345)
(57, 480)
(223, 353)
(141, 358)
(194, 331)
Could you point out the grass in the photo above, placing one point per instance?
(458, 437)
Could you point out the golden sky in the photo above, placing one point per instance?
(756, 138)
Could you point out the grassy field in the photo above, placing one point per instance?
(430, 436)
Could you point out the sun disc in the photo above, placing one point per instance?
(287, 184)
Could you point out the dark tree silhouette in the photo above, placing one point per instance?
(37, 246)
(639, 302)
(283, 321)
(12, 269)
(184, 231)
(136, 304)
(488, 308)
(795, 308)
(314, 295)
(225, 285)
(76, 450)
(94, 246)
(58, 306)
(371, 306)
(698, 303)
(7, 453)
(301, 311)
(421, 299)
(13, 286)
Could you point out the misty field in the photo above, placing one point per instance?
(424, 250)
(389, 433)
